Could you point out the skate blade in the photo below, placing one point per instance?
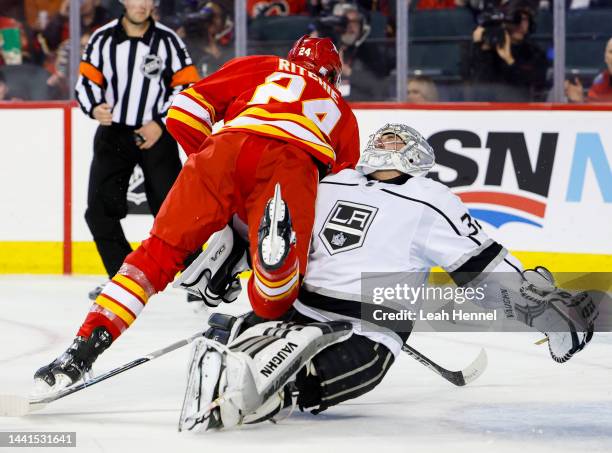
(273, 246)
(277, 207)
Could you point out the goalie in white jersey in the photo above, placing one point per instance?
(383, 217)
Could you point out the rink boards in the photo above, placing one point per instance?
(538, 178)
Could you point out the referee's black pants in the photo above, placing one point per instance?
(114, 159)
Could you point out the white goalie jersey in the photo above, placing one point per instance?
(367, 226)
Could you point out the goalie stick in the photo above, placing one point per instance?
(459, 378)
(17, 405)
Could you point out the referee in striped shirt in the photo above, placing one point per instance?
(130, 71)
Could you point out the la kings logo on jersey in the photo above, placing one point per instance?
(346, 226)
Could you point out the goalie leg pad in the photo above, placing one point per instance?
(265, 358)
(205, 368)
(342, 372)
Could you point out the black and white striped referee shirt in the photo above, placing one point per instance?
(137, 77)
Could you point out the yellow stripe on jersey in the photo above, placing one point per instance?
(117, 309)
(132, 286)
(307, 123)
(189, 121)
(199, 98)
(271, 130)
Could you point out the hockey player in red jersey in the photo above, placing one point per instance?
(285, 127)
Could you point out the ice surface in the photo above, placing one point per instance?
(524, 401)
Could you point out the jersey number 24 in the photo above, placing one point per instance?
(323, 112)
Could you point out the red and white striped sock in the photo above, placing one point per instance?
(119, 304)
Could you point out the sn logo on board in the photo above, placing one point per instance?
(496, 202)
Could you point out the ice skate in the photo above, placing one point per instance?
(72, 365)
(276, 234)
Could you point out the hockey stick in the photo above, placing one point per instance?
(458, 378)
(17, 405)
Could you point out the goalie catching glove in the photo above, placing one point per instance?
(567, 320)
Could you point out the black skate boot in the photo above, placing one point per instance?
(275, 236)
(73, 364)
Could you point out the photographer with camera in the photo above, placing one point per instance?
(503, 64)
(363, 63)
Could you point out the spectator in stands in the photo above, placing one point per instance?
(176, 24)
(258, 8)
(56, 43)
(325, 7)
(60, 80)
(38, 12)
(23, 54)
(209, 32)
(601, 88)
(318, 8)
(422, 89)
(364, 63)
(502, 63)
(57, 31)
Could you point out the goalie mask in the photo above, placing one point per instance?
(397, 147)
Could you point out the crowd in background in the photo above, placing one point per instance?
(497, 59)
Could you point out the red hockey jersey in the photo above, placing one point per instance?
(269, 96)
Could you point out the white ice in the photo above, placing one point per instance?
(524, 402)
